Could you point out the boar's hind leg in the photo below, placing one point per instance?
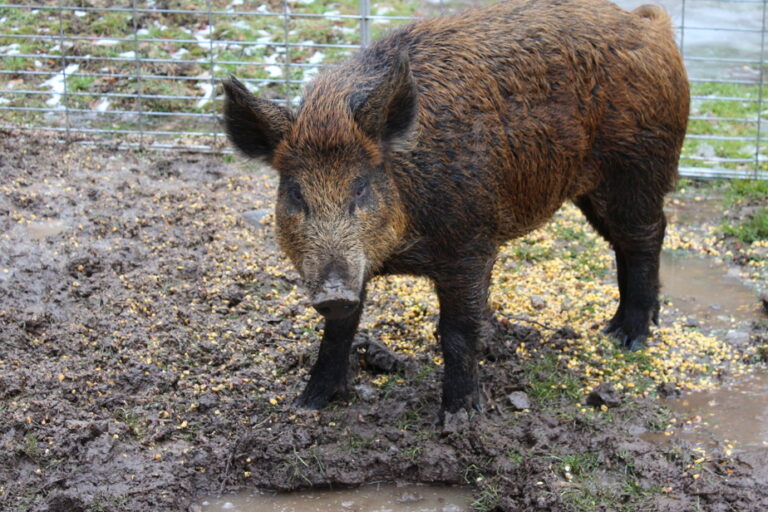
(463, 294)
(635, 230)
(328, 378)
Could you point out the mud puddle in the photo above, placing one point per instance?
(735, 415)
(707, 293)
(370, 498)
(41, 230)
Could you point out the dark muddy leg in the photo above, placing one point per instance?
(328, 378)
(589, 208)
(641, 294)
(636, 238)
(463, 295)
(621, 273)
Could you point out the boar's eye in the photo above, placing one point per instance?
(361, 191)
(295, 197)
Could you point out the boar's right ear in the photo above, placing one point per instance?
(386, 109)
(254, 125)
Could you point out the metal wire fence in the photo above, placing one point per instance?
(144, 73)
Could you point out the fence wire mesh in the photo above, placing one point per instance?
(144, 73)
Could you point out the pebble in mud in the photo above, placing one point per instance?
(255, 217)
(604, 394)
(519, 400)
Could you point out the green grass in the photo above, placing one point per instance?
(754, 226)
(746, 190)
(547, 382)
(749, 230)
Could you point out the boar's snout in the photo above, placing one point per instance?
(335, 300)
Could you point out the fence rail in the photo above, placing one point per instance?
(144, 73)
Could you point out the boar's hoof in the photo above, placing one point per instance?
(628, 342)
(317, 395)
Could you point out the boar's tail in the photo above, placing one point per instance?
(655, 14)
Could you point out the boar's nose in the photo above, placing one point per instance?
(335, 300)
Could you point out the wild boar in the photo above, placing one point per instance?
(429, 149)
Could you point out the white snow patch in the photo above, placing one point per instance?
(128, 55)
(4, 101)
(80, 14)
(332, 15)
(179, 54)
(203, 37)
(102, 106)
(207, 88)
(11, 49)
(106, 42)
(309, 74)
(316, 58)
(263, 8)
(241, 24)
(38, 64)
(56, 83)
(273, 70)
(142, 32)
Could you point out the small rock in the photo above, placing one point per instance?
(519, 400)
(538, 302)
(253, 217)
(377, 358)
(206, 402)
(604, 394)
(409, 497)
(195, 508)
(668, 390)
(737, 338)
(365, 392)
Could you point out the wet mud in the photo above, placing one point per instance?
(149, 355)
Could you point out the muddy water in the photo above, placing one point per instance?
(706, 292)
(372, 498)
(736, 415)
(41, 230)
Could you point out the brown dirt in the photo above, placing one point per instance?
(148, 355)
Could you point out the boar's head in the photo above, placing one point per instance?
(338, 209)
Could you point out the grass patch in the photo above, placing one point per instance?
(750, 230)
(547, 382)
(746, 190)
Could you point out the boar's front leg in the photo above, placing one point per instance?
(463, 293)
(328, 378)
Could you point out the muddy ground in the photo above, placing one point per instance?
(152, 339)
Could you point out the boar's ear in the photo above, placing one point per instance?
(254, 125)
(386, 110)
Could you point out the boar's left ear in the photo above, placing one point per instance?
(387, 110)
(254, 125)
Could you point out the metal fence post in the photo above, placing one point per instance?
(365, 22)
(63, 61)
(137, 60)
(760, 97)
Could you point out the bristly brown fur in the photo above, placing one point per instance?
(471, 130)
